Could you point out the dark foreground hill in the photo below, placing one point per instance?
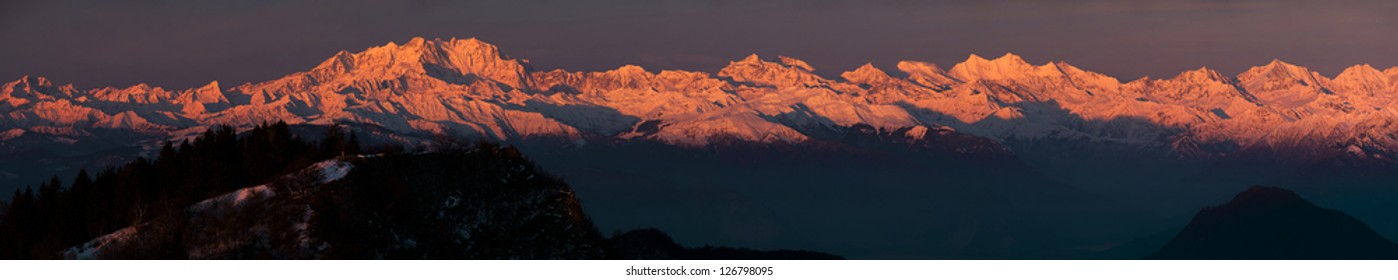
(1274, 223)
(459, 202)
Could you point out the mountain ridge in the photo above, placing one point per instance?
(470, 87)
(1275, 223)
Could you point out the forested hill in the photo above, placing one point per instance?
(39, 223)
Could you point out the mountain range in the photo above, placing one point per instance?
(990, 158)
(1272, 117)
(469, 87)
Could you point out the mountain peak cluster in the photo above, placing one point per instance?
(471, 88)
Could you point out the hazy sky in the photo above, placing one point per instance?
(187, 43)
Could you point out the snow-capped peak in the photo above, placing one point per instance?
(35, 80)
(975, 58)
(782, 61)
(1011, 58)
(866, 74)
(790, 72)
(1006, 67)
(453, 60)
(751, 58)
(212, 86)
(1200, 75)
(626, 76)
(1277, 69)
(1284, 85)
(1362, 73)
(926, 74)
(629, 69)
(207, 94)
(1365, 80)
(793, 62)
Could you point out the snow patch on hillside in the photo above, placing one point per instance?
(329, 170)
(332, 170)
(233, 199)
(90, 249)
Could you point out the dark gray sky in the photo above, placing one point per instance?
(186, 43)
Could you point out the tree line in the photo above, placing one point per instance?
(41, 223)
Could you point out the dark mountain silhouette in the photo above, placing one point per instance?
(653, 244)
(1275, 223)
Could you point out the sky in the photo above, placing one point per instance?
(188, 43)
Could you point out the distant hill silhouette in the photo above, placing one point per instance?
(1275, 223)
(653, 244)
